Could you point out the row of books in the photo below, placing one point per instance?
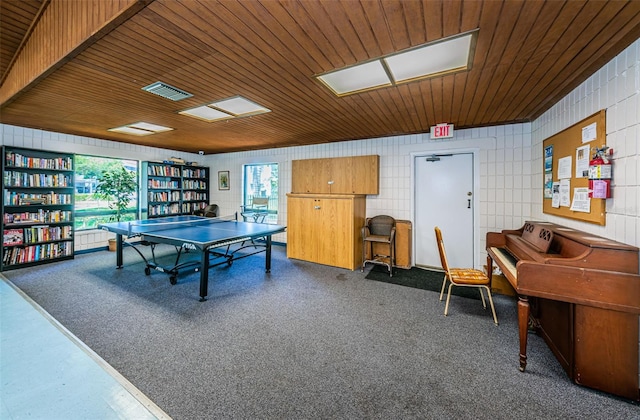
(21, 161)
(191, 207)
(19, 255)
(159, 184)
(164, 209)
(193, 195)
(153, 170)
(164, 196)
(13, 198)
(36, 234)
(23, 179)
(40, 216)
(194, 173)
(194, 185)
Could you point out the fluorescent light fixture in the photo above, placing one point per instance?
(205, 113)
(140, 129)
(233, 107)
(356, 78)
(239, 106)
(430, 60)
(150, 127)
(448, 55)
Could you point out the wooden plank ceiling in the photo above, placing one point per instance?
(529, 54)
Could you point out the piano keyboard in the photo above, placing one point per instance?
(507, 259)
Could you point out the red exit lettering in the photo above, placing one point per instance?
(442, 131)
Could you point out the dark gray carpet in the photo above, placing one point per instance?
(420, 278)
(306, 342)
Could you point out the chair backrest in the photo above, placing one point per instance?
(381, 225)
(260, 201)
(210, 210)
(443, 254)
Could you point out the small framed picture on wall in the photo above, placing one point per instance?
(223, 180)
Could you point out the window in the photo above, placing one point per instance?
(261, 180)
(89, 210)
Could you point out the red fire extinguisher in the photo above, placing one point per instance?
(600, 170)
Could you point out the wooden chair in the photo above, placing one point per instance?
(466, 277)
(379, 230)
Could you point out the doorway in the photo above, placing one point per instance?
(444, 196)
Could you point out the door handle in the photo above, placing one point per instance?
(469, 203)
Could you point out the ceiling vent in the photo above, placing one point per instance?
(167, 91)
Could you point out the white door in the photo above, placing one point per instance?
(444, 198)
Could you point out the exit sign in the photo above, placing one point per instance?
(442, 131)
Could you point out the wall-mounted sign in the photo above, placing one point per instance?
(442, 131)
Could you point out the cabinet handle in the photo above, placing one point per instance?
(316, 207)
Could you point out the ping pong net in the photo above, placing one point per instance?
(140, 227)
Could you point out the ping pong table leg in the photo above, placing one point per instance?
(119, 250)
(268, 256)
(204, 275)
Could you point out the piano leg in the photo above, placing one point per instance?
(523, 327)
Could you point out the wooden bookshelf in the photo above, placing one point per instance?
(37, 207)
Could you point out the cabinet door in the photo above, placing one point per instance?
(299, 236)
(333, 232)
(365, 174)
(340, 175)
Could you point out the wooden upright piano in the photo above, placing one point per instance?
(581, 293)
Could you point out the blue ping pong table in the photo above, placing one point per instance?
(212, 238)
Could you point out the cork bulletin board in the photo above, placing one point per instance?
(569, 147)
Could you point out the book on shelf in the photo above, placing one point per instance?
(12, 237)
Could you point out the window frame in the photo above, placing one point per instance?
(101, 216)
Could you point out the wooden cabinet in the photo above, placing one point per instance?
(326, 228)
(37, 207)
(172, 189)
(341, 175)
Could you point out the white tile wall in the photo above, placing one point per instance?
(504, 175)
(510, 156)
(615, 88)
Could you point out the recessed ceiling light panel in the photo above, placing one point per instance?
(356, 78)
(150, 127)
(206, 113)
(239, 106)
(444, 56)
(233, 107)
(130, 130)
(431, 59)
(140, 129)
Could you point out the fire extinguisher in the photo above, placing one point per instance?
(600, 170)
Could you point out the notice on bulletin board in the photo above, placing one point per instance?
(564, 167)
(589, 133)
(582, 162)
(548, 172)
(581, 201)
